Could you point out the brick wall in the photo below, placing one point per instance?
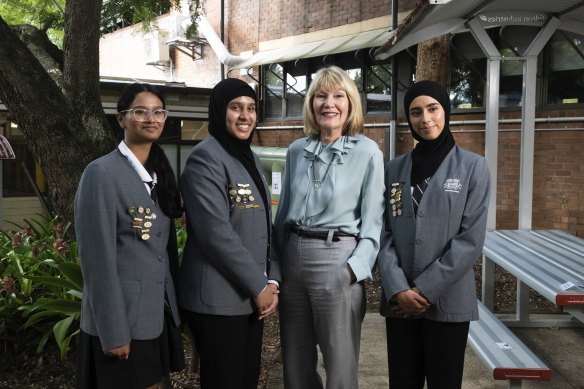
(279, 19)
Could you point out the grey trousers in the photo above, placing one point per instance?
(318, 305)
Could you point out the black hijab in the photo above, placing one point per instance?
(221, 95)
(429, 154)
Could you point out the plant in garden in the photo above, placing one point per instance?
(41, 287)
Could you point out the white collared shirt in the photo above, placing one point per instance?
(138, 167)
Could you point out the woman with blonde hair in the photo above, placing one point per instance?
(326, 234)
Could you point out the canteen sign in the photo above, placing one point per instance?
(513, 18)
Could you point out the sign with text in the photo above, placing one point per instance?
(513, 18)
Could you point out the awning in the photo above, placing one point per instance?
(339, 44)
(332, 45)
(428, 20)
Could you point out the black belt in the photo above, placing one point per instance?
(319, 234)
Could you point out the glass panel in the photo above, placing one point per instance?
(295, 92)
(378, 88)
(15, 182)
(185, 151)
(511, 83)
(194, 129)
(510, 67)
(566, 75)
(273, 92)
(171, 152)
(357, 76)
(510, 91)
(171, 130)
(467, 82)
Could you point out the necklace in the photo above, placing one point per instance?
(318, 181)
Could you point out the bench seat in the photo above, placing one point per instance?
(551, 262)
(503, 352)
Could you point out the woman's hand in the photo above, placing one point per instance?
(121, 352)
(272, 308)
(351, 274)
(409, 303)
(267, 300)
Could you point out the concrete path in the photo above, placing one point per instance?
(562, 349)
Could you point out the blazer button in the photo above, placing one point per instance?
(418, 241)
(421, 213)
(161, 258)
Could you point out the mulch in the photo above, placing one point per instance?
(26, 369)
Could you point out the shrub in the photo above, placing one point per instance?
(41, 285)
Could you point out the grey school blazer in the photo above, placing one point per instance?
(436, 250)
(225, 260)
(123, 258)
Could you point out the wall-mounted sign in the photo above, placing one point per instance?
(513, 18)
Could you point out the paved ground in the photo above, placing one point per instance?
(562, 349)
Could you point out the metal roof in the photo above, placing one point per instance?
(430, 19)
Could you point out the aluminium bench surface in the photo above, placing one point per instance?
(545, 260)
(503, 352)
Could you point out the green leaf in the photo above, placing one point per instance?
(63, 306)
(61, 328)
(39, 316)
(54, 281)
(72, 271)
(43, 341)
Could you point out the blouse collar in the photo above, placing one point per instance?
(340, 147)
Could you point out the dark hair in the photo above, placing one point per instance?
(130, 92)
(167, 192)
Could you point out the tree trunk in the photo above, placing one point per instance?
(432, 63)
(65, 128)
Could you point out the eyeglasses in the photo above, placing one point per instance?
(142, 115)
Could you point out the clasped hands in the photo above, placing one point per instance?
(409, 303)
(267, 300)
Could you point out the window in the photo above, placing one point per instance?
(378, 88)
(273, 88)
(16, 172)
(565, 75)
(469, 67)
(178, 139)
(285, 84)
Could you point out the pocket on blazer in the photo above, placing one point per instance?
(132, 293)
(218, 291)
(460, 297)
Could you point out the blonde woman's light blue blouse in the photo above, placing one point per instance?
(350, 198)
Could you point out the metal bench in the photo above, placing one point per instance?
(549, 261)
(507, 356)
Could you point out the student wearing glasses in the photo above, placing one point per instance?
(124, 210)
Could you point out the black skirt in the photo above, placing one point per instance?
(148, 362)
